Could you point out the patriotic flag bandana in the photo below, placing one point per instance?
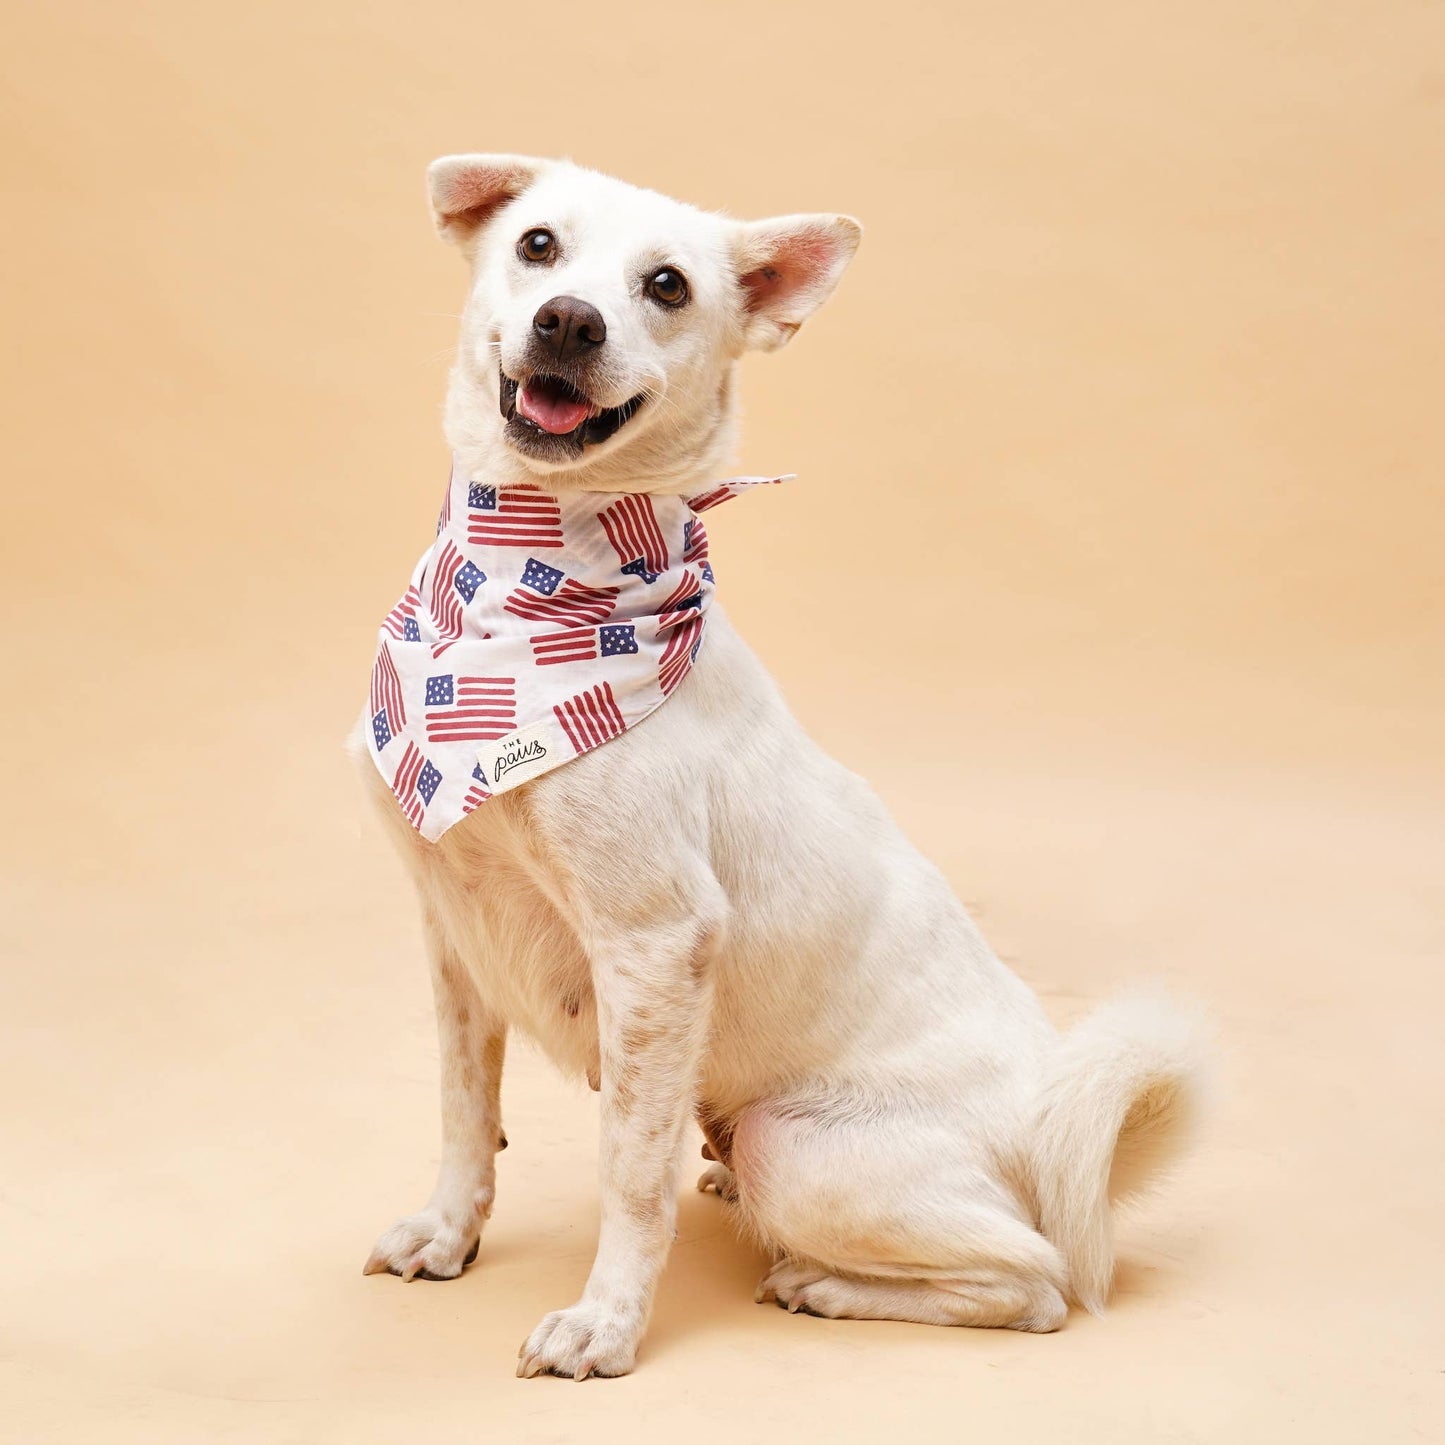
(536, 628)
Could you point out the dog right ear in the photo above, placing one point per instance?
(787, 267)
(466, 190)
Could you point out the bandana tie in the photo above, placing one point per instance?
(538, 627)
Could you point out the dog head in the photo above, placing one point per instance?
(604, 321)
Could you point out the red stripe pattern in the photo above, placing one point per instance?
(719, 494)
(680, 653)
(686, 597)
(570, 605)
(572, 644)
(403, 784)
(513, 517)
(631, 527)
(470, 709)
(694, 547)
(477, 794)
(386, 693)
(710, 499)
(405, 611)
(446, 602)
(591, 718)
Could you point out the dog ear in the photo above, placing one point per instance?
(787, 267)
(466, 190)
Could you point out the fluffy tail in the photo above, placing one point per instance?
(1118, 1105)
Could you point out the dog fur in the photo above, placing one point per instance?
(709, 918)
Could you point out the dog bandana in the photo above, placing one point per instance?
(536, 628)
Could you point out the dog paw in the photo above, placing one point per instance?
(426, 1246)
(588, 1339)
(719, 1178)
(788, 1282)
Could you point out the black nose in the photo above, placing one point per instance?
(568, 327)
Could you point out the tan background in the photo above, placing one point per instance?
(1143, 349)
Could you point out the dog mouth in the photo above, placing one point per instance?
(547, 412)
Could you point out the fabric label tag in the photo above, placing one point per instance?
(518, 757)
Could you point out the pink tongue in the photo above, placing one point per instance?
(557, 415)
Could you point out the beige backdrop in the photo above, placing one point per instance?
(1141, 355)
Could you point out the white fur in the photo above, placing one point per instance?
(709, 916)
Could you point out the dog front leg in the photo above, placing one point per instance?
(653, 996)
(442, 1239)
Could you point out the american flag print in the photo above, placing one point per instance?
(388, 712)
(541, 577)
(536, 627)
(715, 496)
(571, 644)
(683, 598)
(591, 718)
(469, 709)
(618, 640)
(415, 783)
(513, 517)
(454, 584)
(395, 621)
(584, 644)
(710, 499)
(477, 794)
(546, 594)
(680, 653)
(632, 529)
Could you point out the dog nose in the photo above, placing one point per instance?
(568, 327)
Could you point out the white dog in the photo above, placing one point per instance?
(705, 915)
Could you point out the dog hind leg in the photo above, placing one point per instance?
(983, 1298)
(891, 1219)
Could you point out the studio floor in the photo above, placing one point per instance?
(220, 1086)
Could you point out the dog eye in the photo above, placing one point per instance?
(668, 286)
(537, 246)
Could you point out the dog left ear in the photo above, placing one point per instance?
(465, 190)
(787, 267)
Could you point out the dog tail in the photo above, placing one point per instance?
(1119, 1104)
